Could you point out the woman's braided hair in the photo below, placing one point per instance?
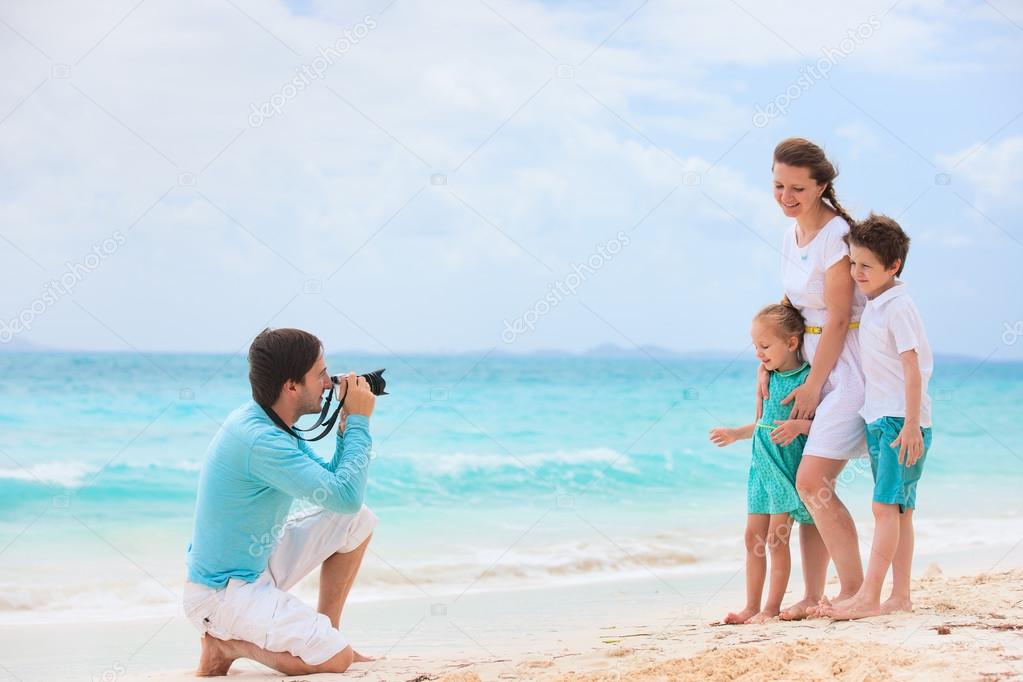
(801, 153)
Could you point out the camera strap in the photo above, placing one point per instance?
(320, 421)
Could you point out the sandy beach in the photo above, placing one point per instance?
(967, 625)
(964, 627)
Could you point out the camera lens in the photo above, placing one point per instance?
(375, 380)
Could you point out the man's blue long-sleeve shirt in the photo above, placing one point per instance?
(252, 472)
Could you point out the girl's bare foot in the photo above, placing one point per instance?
(896, 605)
(825, 605)
(798, 611)
(741, 617)
(763, 617)
(216, 657)
(852, 609)
(359, 658)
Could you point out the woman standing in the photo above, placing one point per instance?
(817, 280)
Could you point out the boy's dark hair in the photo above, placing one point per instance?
(277, 356)
(883, 237)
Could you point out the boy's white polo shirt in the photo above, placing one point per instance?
(891, 325)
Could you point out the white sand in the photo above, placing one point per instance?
(658, 629)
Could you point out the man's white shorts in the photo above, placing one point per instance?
(263, 612)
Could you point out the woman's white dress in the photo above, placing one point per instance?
(837, 431)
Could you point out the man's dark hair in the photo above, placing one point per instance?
(279, 355)
(883, 237)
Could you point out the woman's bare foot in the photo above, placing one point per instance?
(359, 658)
(216, 657)
(764, 616)
(799, 610)
(741, 617)
(852, 609)
(896, 605)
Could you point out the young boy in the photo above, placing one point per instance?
(897, 364)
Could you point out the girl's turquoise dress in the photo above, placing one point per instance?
(772, 471)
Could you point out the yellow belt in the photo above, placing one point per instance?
(818, 330)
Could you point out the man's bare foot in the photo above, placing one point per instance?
(852, 609)
(741, 617)
(216, 657)
(359, 658)
(798, 611)
(762, 617)
(896, 605)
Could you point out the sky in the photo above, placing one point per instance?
(404, 176)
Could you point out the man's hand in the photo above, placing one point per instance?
(910, 443)
(359, 399)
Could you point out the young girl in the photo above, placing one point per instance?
(772, 500)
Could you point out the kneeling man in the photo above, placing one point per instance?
(245, 552)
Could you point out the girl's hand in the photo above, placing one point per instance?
(806, 398)
(722, 436)
(788, 430)
(763, 382)
(910, 443)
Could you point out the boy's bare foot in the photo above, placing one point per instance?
(896, 605)
(852, 609)
(762, 617)
(741, 617)
(216, 657)
(797, 611)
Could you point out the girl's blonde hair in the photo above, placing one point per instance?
(786, 320)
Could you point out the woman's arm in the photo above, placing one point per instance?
(838, 298)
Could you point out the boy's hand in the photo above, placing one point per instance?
(722, 436)
(910, 443)
(788, 430)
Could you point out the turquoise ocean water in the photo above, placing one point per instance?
(490, 472)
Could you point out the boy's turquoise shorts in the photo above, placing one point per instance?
(894, 483)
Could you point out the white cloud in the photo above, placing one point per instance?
(443, 88)
(994, 171)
